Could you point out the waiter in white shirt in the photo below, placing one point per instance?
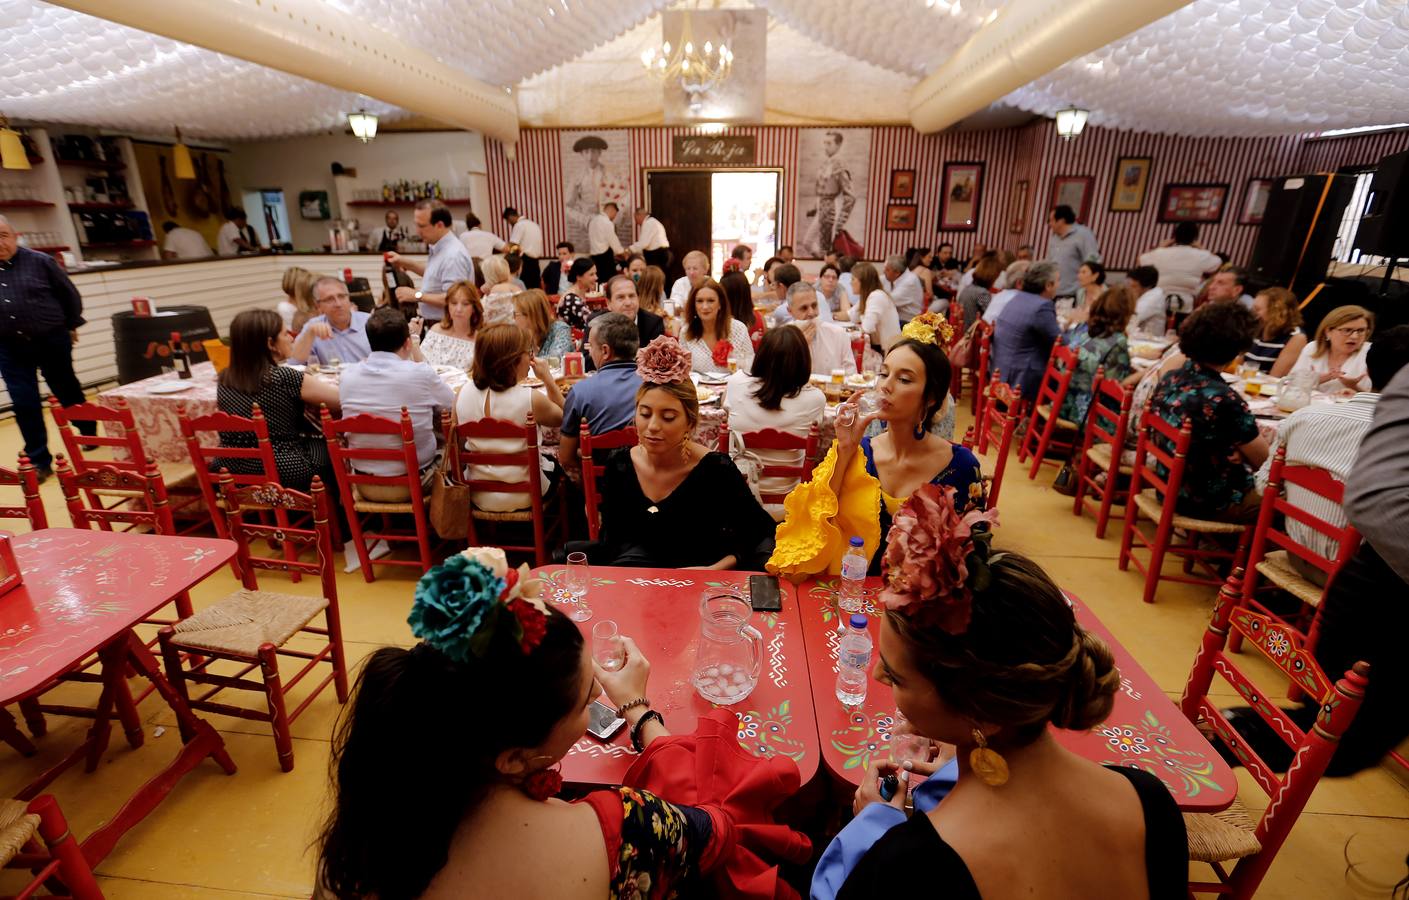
(651, 241)
(236, 236)
(183, 243)
(1182, 264)
(529, 236)
(481, 244)
(602, 243)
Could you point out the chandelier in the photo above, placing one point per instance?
(698, 69)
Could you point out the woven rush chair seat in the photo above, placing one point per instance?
(361, 504)
(1277, 568)
(1148, 503)
(514, 515)
(17, 827)
(1220, 836)
(1046, 410)
(1100, 456)
(245, 620)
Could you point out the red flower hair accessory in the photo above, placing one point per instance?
(733, 265)
(721, 352)
(663, 361)
(936, 559)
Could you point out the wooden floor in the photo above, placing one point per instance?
(249, 835)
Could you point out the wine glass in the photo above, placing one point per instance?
(578, 579)
(607, 648)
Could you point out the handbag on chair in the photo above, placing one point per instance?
(450, 500)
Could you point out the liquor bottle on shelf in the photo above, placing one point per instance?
(179, 357)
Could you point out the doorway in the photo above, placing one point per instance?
(268, 215)
(714, 211)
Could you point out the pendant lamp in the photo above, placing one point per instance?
(181, 160)
(1071, 121)
(363, 124)
(12, 153)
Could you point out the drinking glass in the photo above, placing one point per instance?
(905, 744)
(607, 648)
(578, 579)
(334, 362)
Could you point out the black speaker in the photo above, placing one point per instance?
(1384, 229)
(1298, 230)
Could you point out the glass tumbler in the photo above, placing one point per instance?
(607, 648)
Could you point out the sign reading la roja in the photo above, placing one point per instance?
(713, 150)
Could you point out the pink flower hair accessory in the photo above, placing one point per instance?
(663, 361)
(936, 559)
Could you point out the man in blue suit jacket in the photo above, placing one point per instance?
(1027, 328)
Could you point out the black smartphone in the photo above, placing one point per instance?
(764, 595)
(602, 721)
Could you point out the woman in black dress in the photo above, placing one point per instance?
(671, 502)
(990, 659)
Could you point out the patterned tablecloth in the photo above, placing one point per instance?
(155, 412)
(659, 609)
(1145, 729)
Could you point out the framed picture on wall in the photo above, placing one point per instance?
(1255, 201)
(1131, 181)
(1017, 206)
(901, 217)
(1193, 203)
(959, 197)
(902, 184)
(1074, 191)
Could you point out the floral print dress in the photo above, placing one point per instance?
(1215, 478)
(1111, 351)
(653, 847)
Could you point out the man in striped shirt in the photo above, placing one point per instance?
(1328, 436)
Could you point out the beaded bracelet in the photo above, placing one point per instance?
(640, 723)
(639, 701)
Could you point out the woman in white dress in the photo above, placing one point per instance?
(1337, 355)
(712, 334)
(451, 341)
(876, 312)
(503, 358)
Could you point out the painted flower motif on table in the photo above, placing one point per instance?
(864, 736)
(766, 734)
(1184, 772)
(1126, 740)
(826, 590)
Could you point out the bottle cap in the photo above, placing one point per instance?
(176, 337)
(857, 542)
(858, 621)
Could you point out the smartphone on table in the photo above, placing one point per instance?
(602, 721)
(765, 594)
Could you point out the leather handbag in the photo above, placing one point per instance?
(450, 500)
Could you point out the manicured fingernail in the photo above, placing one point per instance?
(907, 765)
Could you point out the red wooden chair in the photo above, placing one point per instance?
(1106, 424)
(1002, 411)
(1232, 836)
(980, 375)
(251, 627)
(117, 430)
(528, 459)
(969, 438)
(398, 445)
(27, 480)
(37, 837)
(1038, 440)
(773, 439)
(593, 468)
(1155, 496)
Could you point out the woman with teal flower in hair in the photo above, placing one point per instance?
(454, 744)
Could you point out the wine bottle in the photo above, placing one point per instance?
(179, 357)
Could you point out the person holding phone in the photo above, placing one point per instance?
(474, 798)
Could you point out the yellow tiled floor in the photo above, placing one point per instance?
(249, 835)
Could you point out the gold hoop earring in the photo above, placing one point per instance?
(990, 767)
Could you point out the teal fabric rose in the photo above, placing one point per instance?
(453, 601)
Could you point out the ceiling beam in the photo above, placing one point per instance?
(1028, 39)
(316, 41)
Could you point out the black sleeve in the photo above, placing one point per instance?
(748, 528)
(889, 866)
(65, 294)
(649, 326)
(1166, 843)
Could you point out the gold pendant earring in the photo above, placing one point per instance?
(990, 767)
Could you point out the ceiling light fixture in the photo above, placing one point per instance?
(1071, 121)
(698, 69)
(12, 152)
(181, 163)
(363, 124)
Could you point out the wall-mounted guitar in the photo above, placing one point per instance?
(201, 201)
(168, 193)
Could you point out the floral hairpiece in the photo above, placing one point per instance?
(929, 328)
(663, 361)
(733, 265)
(463, 603)
(936, 559)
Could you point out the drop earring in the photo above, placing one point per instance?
(543, 783)
(990, 767)
(920, 431)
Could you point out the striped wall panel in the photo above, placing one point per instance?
(1323, 154)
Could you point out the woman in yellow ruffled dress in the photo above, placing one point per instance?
(862, 481)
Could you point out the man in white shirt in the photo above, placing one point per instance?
(447, 263)
(529, 236)
(904, 288)
(236, 236)
(829, 343)
(480, 243)
(1182, 264)
(651, 241)
(785, 277)
(183, 243)
(696, 270)
(602, 243)
(1151, 306)
(1069, 246)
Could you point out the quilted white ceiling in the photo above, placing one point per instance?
(1214, 67)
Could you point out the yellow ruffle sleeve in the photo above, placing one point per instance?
(817, 524)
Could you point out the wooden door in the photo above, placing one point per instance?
(681, 200)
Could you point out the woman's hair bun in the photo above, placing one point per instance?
(1091, 683)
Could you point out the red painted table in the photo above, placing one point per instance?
(83, 592)
(659, 609)
(1145, 729)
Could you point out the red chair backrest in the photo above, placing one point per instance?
(773, 439)
(527, 458)
(593, 468)
(203, 458)
(1275, 502)
(1152, 451)
(985, 348)
(1284, 648)
(345, 457)
(1108, 415)
(102, 477)
(1061, 366)
(1003, 409)
(117, 429)
(284, 502)
(27, 480)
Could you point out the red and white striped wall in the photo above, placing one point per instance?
(532, 181)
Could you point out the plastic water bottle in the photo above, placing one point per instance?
(853, 662)
(853, 578)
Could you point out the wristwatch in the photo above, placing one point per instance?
(419, 294)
